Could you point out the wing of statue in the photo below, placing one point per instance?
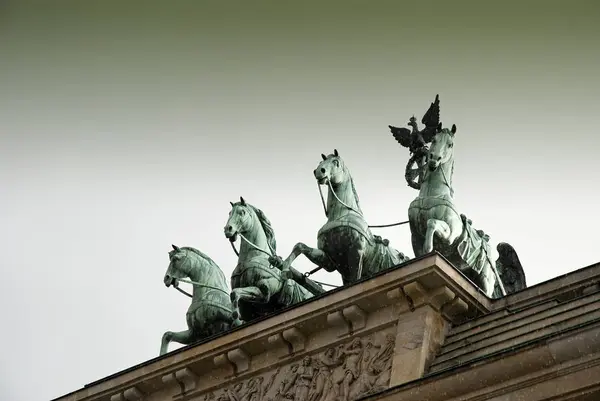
(402, 135)
(510, 269)
(431, 120)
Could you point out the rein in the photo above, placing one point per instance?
(271, 254)
(184, 292)
(351, 208)
(322, 283)
(197, 285)
(446, 182)
(253, 245)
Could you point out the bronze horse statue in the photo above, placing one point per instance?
(210, 311)
(258, 287)
(436, 224)
(345, 243)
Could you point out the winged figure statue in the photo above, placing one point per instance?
(509, 268)
(415, 139)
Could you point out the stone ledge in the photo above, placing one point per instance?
(577, 282)
(367, 306)
(509, 340)
(524, 321)
(575, 352)
(496, 318)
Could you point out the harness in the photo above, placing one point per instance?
(350, 220)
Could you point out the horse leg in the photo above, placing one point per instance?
(236, 296)
(181, 337)
(416, 237)
(355, 257)
(439, 227)
(225, 319)
(315, 255)
(417, 244)
(261, 293)
(291, 293)
(358, 267)
(223, 322)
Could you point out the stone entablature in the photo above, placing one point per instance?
(386, 338)
(408, 309)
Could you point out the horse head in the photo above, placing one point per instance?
(331, 170)
(240, 220)
(179, 266)
(441, 150)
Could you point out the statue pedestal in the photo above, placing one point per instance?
(398, 335)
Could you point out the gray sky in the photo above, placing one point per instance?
(126, 128)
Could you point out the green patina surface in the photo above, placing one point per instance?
(345, 243)
(259, 287)
(435, 222)
(262, 282)
(210, 311)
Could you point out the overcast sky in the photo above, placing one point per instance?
(128, 127)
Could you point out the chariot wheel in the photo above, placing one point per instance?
(414, 168)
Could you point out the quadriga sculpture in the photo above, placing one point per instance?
(210, 311)
(258, 288)
(345, 243)
(436, 224)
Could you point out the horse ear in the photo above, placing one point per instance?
(335, 152)
(453, 129)
(323, 156)
(175, 247)
(232, 205)
(242, 201)
(439, 127)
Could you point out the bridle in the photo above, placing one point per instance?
(269, 254)
(446, 181)
(195, 283)
(252, 244)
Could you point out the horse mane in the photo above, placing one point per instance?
(197, 252)
(266, 226)
(449, 132)
(352, 185)
(450, 178)
(355, 194)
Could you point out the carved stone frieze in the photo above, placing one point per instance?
(343, 372)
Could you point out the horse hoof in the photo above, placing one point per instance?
(237, 322)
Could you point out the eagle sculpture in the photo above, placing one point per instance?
(415, 139)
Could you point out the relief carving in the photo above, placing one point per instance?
(349, 371)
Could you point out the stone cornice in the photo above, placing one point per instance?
(367, 306)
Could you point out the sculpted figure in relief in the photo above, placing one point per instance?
(352, 357)
(322, 383)
(345, 372)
